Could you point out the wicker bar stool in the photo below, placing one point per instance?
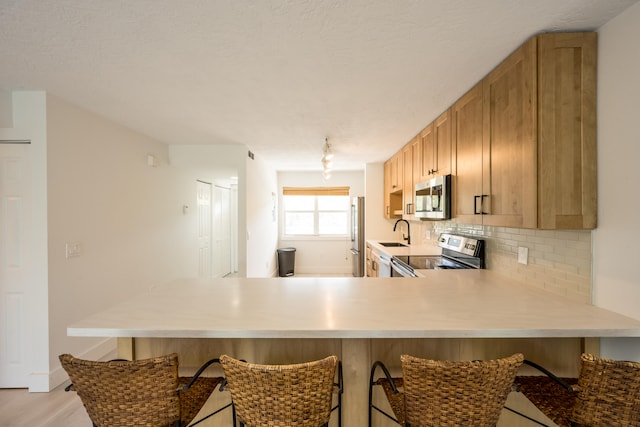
(434, 393)
(298, 395)
(393, 388)
(605, 394)
(122, 393)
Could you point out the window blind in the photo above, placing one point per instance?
(315, 191)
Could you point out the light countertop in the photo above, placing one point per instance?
(443, 304)
(410, 250)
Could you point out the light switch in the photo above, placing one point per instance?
(523, 255)
(73, 249)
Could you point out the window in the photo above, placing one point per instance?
(316, 211)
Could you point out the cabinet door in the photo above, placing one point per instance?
(567, 130)
(510, 141)
(427, 161)
(396, 172)
(392, 190)
(408, 188)
(387, 189)
(417, 160)
(466, 115)
(442, 144)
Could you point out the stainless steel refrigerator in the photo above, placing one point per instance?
(357, 236)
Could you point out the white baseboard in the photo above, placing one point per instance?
(47, 381)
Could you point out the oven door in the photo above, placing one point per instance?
(400, 269)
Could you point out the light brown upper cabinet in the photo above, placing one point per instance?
(442, 145)
(425, 162)
(393, 178)
(567, 131)
(396, 172)
(509, 160)
(409, 153)
(466, 183)
(435, 142)
(536, 167)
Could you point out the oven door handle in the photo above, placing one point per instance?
(402, 270)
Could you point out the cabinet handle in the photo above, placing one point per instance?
(482, 204)
(475, 205)
(409, 209)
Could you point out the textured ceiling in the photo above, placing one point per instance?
(276, 75)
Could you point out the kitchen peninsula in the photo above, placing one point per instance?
(467, 314)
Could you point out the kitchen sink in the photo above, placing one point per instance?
(392, 244)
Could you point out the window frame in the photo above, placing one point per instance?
(316, 193)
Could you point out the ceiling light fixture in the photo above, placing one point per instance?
(327, 159)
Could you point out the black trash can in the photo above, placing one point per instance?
(286, 261)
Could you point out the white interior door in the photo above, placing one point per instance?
(221, 232)
(204, 228)
(15, 212)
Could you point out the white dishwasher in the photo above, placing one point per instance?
(384, 266)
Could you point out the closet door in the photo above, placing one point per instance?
(15, 268)
(221, 232)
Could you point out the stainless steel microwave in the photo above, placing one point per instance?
(433, 198)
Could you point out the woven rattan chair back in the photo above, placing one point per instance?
(281, 395)
(137, 393)
(441, 393)
(608, 393)
(605, 394)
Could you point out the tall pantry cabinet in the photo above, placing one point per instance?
(524, 138)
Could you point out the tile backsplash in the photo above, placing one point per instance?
(558, 261)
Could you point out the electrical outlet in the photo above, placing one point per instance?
(427, 234)
(523, 255)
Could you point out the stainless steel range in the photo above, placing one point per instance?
(458, 252)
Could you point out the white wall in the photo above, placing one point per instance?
(92, 186)
(6, 109)
(126, 216)
(262, 229)
(256, 183)
(215, 163)
(616, 283)
(321, 256)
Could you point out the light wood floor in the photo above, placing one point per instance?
(19, 408)
(57, 408)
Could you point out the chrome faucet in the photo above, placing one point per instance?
(408, 238)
